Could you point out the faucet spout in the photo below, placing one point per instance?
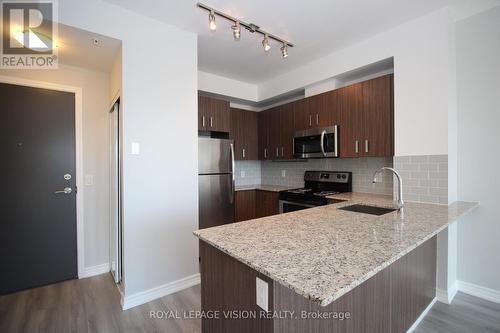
(399, 203)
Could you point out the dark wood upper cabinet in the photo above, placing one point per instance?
(244, 131)
(213, 114)
(377, 117)
(319, 111)
(274, 119)
(263, 130)
(366, 118)
(287, 131)
(300, 114)
(349, 120)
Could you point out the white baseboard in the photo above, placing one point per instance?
(446, 296)
(422, 316)
(479, 291)
(160, 291)
(95, 270)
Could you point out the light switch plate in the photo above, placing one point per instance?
(283, 173)
(136, 148)
(89, 180)
(243, 174)
(262, 293)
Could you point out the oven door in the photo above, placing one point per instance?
(316, 143)
(290, 206)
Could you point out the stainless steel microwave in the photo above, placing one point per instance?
(316, 143)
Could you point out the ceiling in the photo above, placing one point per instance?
(76, 48)
(316, 27)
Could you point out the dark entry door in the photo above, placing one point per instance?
(37, 225)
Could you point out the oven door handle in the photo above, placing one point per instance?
(322, 143)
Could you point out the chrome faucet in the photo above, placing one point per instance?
(400, 203)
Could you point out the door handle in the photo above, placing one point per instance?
(322, 143)
(243, 152)
(66, 190)
(356, 147)
(211, 121)
(203, 121)
(366, 146)
(310, 120)
(317, 118)
(277, 152)
(231, 197)
(265, 152)
(282, 152)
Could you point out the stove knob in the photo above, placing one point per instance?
(344, 176)
(338, 176)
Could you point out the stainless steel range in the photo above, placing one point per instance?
(318, 185)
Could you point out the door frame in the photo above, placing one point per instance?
(77, 91)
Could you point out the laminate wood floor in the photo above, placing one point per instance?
(93, 305)
(466, 314)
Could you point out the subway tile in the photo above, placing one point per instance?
(442, 192)
(428, 167)
(438, 175)
(438, 158)
(419, 159)
(419, 175)
(429, 199)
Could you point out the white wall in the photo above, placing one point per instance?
(95, 100)
(478, 82)
(159, 107)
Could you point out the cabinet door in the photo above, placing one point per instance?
(333, 107)
(275, 133)
(377, 117)
(251, 135)
(319, 115)
(204, 105)
(219, 120)
(244, 205)
(350, 99)
(263, 140)
(287, 130)
(267, 203)
(237, 132)
(301, 114)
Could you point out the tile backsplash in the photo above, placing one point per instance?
(425, 178)
(291, 173)
(247, 172)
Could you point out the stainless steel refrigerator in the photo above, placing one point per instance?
(215, 182)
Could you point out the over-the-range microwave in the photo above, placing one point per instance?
(316, 143)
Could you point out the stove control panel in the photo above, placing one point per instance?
(328, 176)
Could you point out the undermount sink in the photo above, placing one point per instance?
(372, 210)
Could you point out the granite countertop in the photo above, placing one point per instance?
(322, 253)
(264, 187)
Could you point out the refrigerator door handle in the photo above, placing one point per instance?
(231, 195)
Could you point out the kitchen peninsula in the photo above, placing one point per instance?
(379, 269)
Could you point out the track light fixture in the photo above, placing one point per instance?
(211, 21)
(236, 30)
(265, 43)
(284, 50)
(251, 27)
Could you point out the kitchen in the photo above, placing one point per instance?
(246, 166)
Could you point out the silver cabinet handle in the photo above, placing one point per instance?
(66, 190)
(231, 198)
(282, 152)
(366, 146)
(265, 152)
(203, 121)
(211, 121)
(317, 118)
(322, 143)
(310, 120)
(356, 147)
(243, 152)
(277, 152)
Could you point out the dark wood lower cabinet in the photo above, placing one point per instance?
(390, 301)
(267, 203)
(245, 205)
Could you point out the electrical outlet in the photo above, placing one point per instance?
(262, 289)
(283, 173)
(243, 174)
(136, 148)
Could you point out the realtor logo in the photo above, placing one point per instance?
(28, 35)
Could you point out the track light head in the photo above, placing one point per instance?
(265, 43)
(211, 21)
(236, 30)
(284, 50)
